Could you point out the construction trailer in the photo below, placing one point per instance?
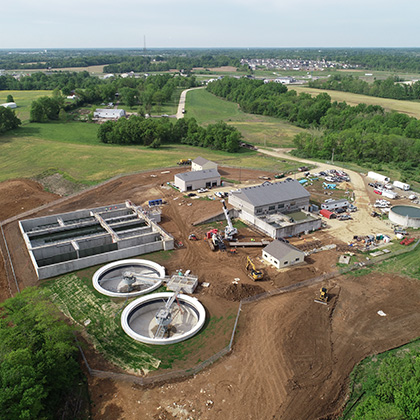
(378, 177)
(335, 204)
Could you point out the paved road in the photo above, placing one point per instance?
(181, 104)
(363, 223)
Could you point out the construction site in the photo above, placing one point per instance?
(294, 347)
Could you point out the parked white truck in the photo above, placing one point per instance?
(401, 185)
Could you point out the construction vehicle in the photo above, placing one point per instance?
(193, 237)
(184, 162)
(323, 296)
(215, 240)
(230, 231)
(254, 273)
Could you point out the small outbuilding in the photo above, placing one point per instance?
(281, 254)
(194, 180)
(328, 214)
(201, 164)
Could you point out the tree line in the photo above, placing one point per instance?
(388, 88)
(359, 134)
(38, 358)
(154, 132)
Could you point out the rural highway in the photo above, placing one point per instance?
(363, 223)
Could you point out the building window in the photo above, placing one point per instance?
(281, 206)
(258, 211)
(297, 259)
(189, 187)
(275, 262)
(208, 184)
(271, 208)
(293, 204)
(286, 262)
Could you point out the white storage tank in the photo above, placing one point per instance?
(378, 177)
(401, 185)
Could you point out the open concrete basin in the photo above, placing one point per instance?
(139, 322)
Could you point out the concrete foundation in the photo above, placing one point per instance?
(183, 283)
(67, 242)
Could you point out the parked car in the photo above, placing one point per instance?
(339, 211)
(202, 190)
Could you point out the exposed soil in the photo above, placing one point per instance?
(291, 357)
(57, 184)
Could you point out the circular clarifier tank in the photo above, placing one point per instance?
(407, 216)
(146, 319)
(128, 278)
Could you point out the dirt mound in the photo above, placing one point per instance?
(20, 195)
(236, 292)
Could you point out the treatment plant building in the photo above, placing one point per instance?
(194, 180)
(279, 209)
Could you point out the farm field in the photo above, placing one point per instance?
(23, 99)
(207, 108)
(406, 107)
(74, 150)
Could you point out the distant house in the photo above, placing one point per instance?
(109, 114)
(194, 180)
(281, 254)
(201, 164)
(10, 105)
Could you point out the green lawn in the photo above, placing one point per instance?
(73, 149)
(23, 99)
(207, 108)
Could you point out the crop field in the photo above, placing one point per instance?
(406, 107)
(23, 99)
(74, 150)
(99, 316)
(207, 108)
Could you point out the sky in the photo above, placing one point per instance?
(218, 23)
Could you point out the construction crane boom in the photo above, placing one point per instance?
(230, 231)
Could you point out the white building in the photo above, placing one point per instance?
(279, 209)
(281, 254)
(194, 180)
(201, 164)
(109, 114)
(10, 105)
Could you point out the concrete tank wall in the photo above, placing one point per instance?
(407, 216)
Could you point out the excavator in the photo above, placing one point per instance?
(254, 273)
(323, 296)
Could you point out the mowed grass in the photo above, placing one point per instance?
(207, 108)
(100, 317)
(74, 150)
(406, 107)
(23, 99)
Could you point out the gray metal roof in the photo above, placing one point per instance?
(198, 175)
(200, 161)
(280, 249)
(271, 193)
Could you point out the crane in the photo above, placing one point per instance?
(254, 274)
(230, 231)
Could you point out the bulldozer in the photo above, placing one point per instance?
(254, 273)
(323, 296)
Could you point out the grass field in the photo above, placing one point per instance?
(207, 108)
(100, 317)
(23, 99)
(406, 107)
(73, 149)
